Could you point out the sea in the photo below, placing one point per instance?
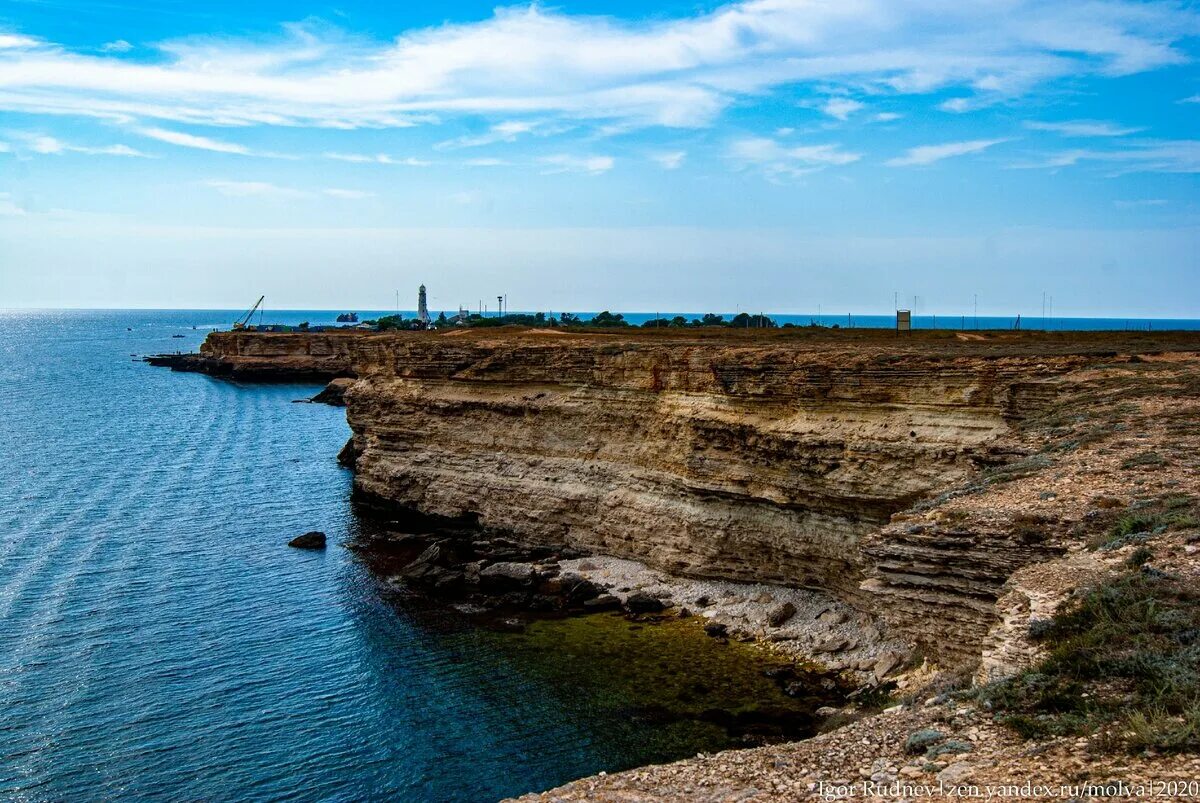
(158, 640)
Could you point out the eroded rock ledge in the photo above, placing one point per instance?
(782, 458)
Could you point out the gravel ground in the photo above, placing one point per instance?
(882, 758)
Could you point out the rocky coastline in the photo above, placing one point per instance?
(903, 513)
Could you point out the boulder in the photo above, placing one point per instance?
(348, 456)
(310, 540)
(716, 630)
(641, 602)
(578, 589)
(604, 602)
(831, 617)
(886, 664)
(920, 741)
(334, 393)
(506, 576)
(834, 644)
(779, 615)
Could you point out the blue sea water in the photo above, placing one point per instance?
(158, 640)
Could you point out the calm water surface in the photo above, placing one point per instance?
(158, 640)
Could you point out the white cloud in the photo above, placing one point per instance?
(673, 72)
(928, 154)
(263, 189)
(1139, 156)
(246, 189)
(886, 117)
(116, 46)
(350, 195)
(507, 131)
(671, 160)
(193, 141)
(566, 163)
(12, 41)
(47, 145)
(1192, 99)
(841, 108)
(1083, 128)
(958, 105)
(778, 160)
(376, 158)
(486, 161)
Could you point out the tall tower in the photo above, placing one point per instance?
(422, 306)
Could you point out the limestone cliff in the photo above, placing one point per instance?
(780, 459)
(746, 463)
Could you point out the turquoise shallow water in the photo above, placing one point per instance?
(157, 640)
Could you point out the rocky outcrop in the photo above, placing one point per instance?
(270, 356)
(756, 463)
(782, 459)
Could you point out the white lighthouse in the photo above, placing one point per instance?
(422, 307)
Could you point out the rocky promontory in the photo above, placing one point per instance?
(942, 495)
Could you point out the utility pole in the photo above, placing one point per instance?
(500, 307)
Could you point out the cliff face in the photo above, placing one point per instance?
(268, 357)
(802, 461)
(757, 463)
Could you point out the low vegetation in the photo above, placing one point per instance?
(1124, 659)
(1143, 521)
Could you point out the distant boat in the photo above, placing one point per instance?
(348, 317)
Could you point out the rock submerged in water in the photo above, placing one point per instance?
(310, 540)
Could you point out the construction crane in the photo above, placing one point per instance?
(240, 324)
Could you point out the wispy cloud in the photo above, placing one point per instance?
(376, 158)
(675, 72)
(928, 154)
(886, 117)
(116, 46)
(776, 159)
(263, 189)
(185, 140)
(1137, 156)
(246, 189)
(47, 145)
(841, 108)
(507, 131)
(566, 163)
(671, 160)
(350, 195)
(1083, 128)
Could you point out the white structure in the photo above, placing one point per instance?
(422, 307)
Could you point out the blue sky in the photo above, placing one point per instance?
(767, 155)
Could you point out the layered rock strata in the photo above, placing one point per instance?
(774, 460)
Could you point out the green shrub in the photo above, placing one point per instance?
(1127, 652)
